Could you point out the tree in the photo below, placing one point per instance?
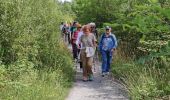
(98, 11)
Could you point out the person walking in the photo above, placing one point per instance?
(65, 31)
(93, 29)
(95, 32)
(74, 39)
(88, 42)
(61, 26)
(73, 27)
(69, 34)
(79, 46)
(107, 47)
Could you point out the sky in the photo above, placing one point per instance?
(65, 0)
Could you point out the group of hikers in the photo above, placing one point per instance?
(84, 41)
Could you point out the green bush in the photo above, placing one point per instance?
(143, 33)
(34, 62)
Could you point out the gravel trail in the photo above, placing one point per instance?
(102, 88)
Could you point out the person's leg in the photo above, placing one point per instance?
(81, 65)
(74, 51)
(65, 37)
(84, 63)
(89, 64)
(89, 68)
(72, 45)
(97, 55)
(80, 61)
(109, 55)
(104, 61)
(68, 37)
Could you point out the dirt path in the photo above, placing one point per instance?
(102, 88)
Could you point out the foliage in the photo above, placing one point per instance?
(98, 11)
(136, 23)
(34, 63)
(143, 32)
(143, 81)
(142, 29)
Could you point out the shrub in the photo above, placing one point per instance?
(35, 64)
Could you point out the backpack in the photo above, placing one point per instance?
(102, 37)
(108, 37)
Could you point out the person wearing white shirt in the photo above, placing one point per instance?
(79, 45)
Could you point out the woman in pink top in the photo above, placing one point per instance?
(74, 38)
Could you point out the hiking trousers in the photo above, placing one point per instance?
(87, 63)
(80, 61)
(75, 51)
(106, 60)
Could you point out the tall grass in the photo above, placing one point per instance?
(143, 81)
(50, 86)
(34, 63)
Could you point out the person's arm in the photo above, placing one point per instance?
(73, 35)
(94, 41)
(115, 42)
(78, 40)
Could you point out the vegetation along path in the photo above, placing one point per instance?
(102, 88)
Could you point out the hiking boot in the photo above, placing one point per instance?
(91, 77)
(107, 73)
(103, 74)
(85, 79)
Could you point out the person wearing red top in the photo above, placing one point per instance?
(74, 38)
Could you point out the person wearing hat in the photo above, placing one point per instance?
(107, 47)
